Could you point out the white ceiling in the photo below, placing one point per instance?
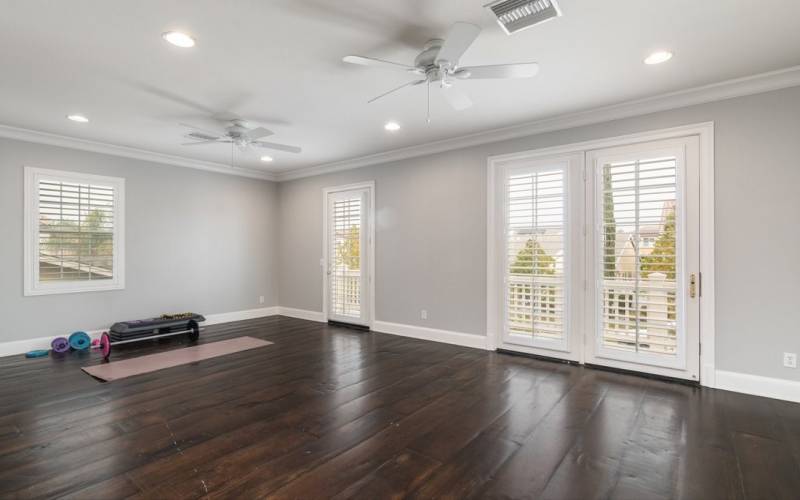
(278, 62)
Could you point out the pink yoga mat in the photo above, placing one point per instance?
(153, 362)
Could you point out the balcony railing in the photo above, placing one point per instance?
(346, 288)
(536, 307)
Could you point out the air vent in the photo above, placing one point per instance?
(516, 15)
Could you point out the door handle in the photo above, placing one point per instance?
(692, 285)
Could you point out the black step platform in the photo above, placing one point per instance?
(130, 330)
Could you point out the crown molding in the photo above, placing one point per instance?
(27, 135)
(756, 84)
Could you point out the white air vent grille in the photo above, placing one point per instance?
(516, 15)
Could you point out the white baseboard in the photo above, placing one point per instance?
(417, 332)
(433, 334)
(22, 346)
(757, 385)
(291, 312)
(215, 319)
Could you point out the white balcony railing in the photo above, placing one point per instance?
(346, 289)
(535, 306)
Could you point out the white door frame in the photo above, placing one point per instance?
(568, 347)
(370, 244)
(705, 133)
(685, 364)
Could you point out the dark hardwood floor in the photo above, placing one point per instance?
(328, 412)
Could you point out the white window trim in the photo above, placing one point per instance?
(32, 286)
(370, 186)
(705, 133)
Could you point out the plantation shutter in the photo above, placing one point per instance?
(345, 249)
(638, 255)
(535, 281)
(76, 231)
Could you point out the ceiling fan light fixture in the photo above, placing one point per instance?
(178, 39)
(392, 126)
(517, 15)
(267, 159)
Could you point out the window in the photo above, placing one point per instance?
(345, 240)
(535, 250)
(638, 200)
(74, 232)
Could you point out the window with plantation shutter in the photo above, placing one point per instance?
(535, 288)
(73, 232)
(639, 255)
(345, 240)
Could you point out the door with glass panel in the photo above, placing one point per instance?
(541, 248)
(347, 268)
(643, 257)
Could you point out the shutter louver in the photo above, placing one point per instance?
(345, 241)
(536, 253)
(638, 255)
(76, 231)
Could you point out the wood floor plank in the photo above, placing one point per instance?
(767, 466)
(330, 412)
(394, 478)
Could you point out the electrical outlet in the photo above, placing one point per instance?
(261, 299)
(790, 360)
(423, 314)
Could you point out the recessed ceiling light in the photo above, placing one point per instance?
(179, 39)
(658, 57)
(77, 118)
(266, 159)
(392, 126)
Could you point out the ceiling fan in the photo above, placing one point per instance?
(438, 63)
(237, 132)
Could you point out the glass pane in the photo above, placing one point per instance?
(76, 232)
(639, 255)
(345, 280)
(535, 254)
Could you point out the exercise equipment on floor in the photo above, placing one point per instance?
(59, 345)
(80, 341)
(165, 325)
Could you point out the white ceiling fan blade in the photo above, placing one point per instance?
(258, 133)
(459, 37)
(227, 116)
(414, 82)
(456, 98)
(279, 147)
(522, 70)
(379, 63)
(198, 143)
(204, 131)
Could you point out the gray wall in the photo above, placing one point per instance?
(195, 241)
(431, 229)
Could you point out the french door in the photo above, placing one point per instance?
(541, 255)
(348, 254)
(601, 255)
(644, 257)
